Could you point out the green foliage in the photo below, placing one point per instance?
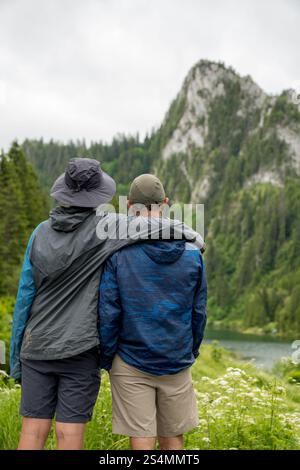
(238, 413)
(172, 120)
(175, 181)
(284, 112)
(249, 257)
(216, 351)
(22, 206)
(223, 118)
(262, 150)
(239, 408)
(123, 159)
(294, 376)
(289, 371)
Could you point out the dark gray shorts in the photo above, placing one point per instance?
(64, 388)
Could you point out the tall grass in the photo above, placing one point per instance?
(239, 408)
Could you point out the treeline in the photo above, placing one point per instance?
(22, 206)
(124, 158)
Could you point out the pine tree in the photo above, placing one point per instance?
(22, 206)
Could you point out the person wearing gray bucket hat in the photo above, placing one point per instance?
(84, 184)
(55, 335)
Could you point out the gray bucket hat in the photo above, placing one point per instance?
(84, 184)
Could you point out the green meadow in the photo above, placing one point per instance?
(240, 407)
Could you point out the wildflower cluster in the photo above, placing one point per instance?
(237, 413)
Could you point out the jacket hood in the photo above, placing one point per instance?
(67, 219)
(164, 252)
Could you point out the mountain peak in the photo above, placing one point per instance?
(206, 82)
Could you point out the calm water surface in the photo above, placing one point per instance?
(264, 351)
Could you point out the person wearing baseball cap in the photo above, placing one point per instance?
(148, 190)
(55, 336)
(152, 317)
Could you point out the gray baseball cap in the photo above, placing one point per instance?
(146, 189)
(84, 184)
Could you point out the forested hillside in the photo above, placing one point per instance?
(226, 143)
(125, 158)
(238, 150)
(22, 206)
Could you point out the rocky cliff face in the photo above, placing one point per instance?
(204, 83)
(224, 113)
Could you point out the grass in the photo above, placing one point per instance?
(240, 407)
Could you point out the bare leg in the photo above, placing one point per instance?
(171, 443)
(70, 436)
(34, 433)
(142, 443)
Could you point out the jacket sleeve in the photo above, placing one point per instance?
(199, 311)
(110, 311)
(25, 297)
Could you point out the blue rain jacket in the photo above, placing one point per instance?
(152, 308)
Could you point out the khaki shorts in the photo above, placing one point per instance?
(146, 405)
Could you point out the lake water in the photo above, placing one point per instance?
(264, 351)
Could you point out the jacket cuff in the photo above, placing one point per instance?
(196, 354)
(15, 372)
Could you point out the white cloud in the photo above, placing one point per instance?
(74, 69)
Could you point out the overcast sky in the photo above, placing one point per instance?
(92, 68)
